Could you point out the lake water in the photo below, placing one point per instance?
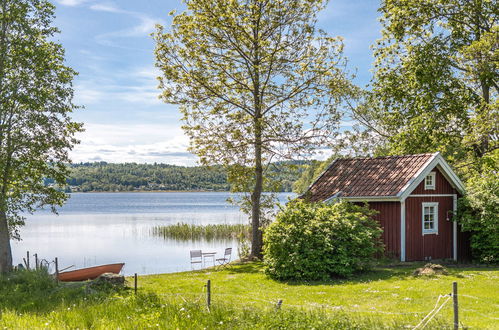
(100, 228)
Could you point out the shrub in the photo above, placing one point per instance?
(317, 241)
(478, 212)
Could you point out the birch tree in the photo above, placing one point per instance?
(256, 82)
(36, 131)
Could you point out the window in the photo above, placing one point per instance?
(429, 181)
(430, 218)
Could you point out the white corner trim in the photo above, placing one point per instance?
(402, 231)
(454, 227)
(436, 219)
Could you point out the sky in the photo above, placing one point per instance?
(109, 44)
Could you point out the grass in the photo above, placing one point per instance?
(243, 297)
(184, 231)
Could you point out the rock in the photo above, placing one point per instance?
(431, 269)
(114, 279)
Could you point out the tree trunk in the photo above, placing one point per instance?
(256, 241)
(5, 251)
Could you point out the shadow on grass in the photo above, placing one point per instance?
(376, 274)
(246, 267)
(37, 292)
(382, 271)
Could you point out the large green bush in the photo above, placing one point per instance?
(315, 241)
(479, 211)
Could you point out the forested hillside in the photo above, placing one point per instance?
(102, 176)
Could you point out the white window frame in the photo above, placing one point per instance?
(430, 186)
(435, 219)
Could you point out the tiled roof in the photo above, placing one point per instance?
(367, 177)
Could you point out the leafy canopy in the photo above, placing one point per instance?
(436, 79)
(256, 82)
(36, 131)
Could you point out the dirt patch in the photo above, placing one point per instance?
(430, 269)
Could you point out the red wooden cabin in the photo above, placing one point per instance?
(415, 195)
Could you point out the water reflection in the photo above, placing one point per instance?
(105, 228)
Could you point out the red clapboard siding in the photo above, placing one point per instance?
(419, 246)
(389, 220)
(442, 186)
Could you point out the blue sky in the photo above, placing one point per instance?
(109, 44)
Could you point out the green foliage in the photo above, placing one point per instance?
(309, 174)
(315, 241)
(435, 88)
(256, 82)
(36, 101)
(436, 80)
(479, 211)
(38, 291)
(184, 231)
(102, 176)
(243, 297)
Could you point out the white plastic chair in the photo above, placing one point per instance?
(196, 258)
(224, 262)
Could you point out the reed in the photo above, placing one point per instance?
(184, 231)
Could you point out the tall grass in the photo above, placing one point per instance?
(184, 231)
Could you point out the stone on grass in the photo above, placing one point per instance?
(111, 278)
(430, 269)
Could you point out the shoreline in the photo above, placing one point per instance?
(167, 191)
(145, 191)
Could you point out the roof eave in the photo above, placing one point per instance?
(371, 198)
(435, 160)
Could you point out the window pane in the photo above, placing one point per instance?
(429, 218)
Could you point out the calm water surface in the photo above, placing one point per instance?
(99, 228)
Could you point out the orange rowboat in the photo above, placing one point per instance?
(89, 273)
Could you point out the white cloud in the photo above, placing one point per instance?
(141, 87)
(106, 7)
(71, 3)
(145, 26)
(143, 143)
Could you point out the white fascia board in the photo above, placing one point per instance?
(416, 180)
(451, 176)
(446, 170)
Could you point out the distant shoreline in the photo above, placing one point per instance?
(146, 191)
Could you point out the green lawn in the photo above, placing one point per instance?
(243, 297)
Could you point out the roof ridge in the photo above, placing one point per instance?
(386, 157)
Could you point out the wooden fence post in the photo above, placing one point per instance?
(56, 269)
(36, 261)
(135, 283)
(27, 259)
(456, 305)
(208, 294)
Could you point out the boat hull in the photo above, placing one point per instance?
(89, 273)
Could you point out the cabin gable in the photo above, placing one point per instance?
(442, 185)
